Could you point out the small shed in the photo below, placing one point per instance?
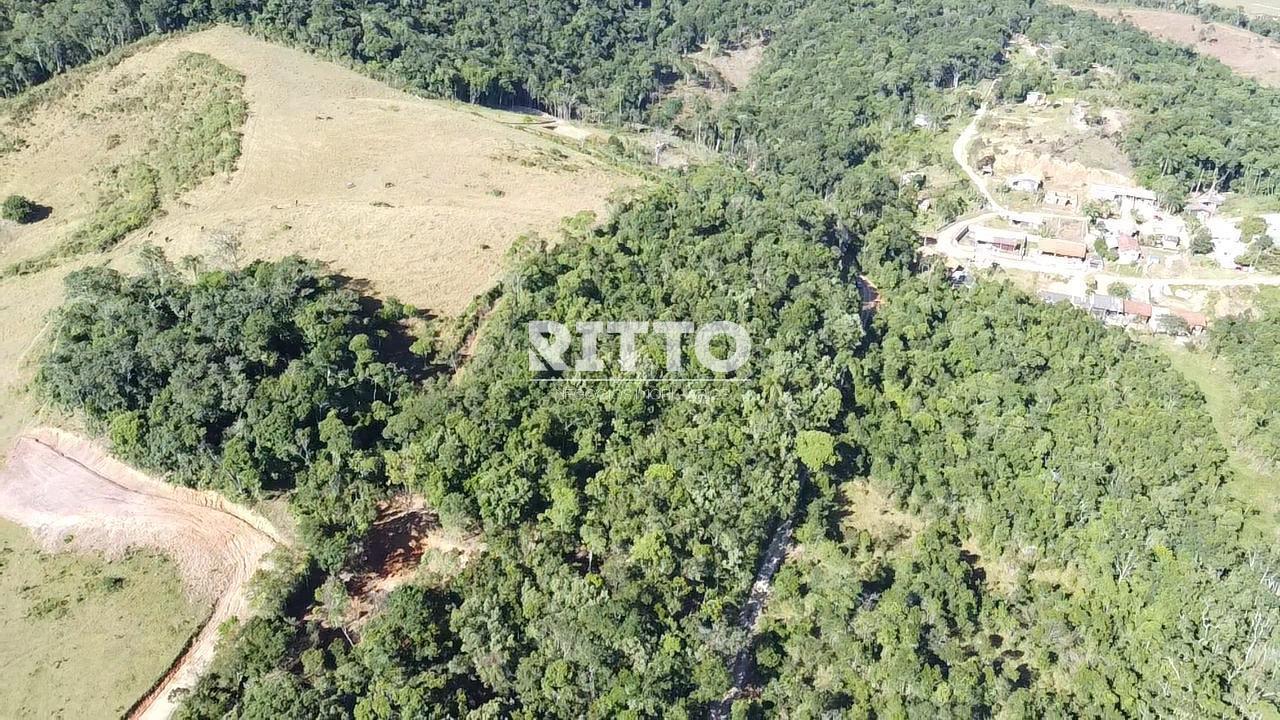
(1103, 305)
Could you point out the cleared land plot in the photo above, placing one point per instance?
(735, 66)
(1052, 143)
(82, 636)
(1260, 7)
(1247, 53)
(72, 496)
(421, 198)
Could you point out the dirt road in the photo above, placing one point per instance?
(70, 494)
(740, 666)
(960, 151)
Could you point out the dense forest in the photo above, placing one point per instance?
(268, 378)
(1086, 476)
(1069, 549)
(599, 60)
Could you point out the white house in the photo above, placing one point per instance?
(1126, 199)
(1027, 183)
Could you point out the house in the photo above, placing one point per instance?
(1167, 232)
(1205, 205)
(987, 165)
(1127, 199)
(1061, 199)
(1063, 248)
(1035, 98)
(1138, 310)
(1106, 305)
(922, 121)
(1196, 322)
(1025, 183)
(1128, 249)
(1009, 241)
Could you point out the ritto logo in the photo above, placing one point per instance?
(550, 343)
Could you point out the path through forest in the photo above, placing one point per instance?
(740, 666)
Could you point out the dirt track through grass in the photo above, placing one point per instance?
(71, 495)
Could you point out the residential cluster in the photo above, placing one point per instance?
(1123, 311)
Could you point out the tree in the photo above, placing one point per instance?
(18, 209)
(1173, 325)
(1201, 239)
(1119, 289)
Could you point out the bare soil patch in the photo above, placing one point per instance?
(1245, 52)
(406, 539)
(71, 495)
(1055, 144)
(735, 66)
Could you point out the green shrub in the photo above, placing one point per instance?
(18, 209)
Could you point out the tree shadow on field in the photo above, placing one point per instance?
(37, 213)
(396, 322)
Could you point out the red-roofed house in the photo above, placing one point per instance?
(1128, 249)
(1196, 322)
(1133, 308)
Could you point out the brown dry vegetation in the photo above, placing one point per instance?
(1247, 53)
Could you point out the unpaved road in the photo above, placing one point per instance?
(960, 151)
(949, 245)
(740, 666)
(62, 487)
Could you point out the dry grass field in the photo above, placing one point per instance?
(420, 198)
(1247, 53)
(1259, 7)
(71, 495)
